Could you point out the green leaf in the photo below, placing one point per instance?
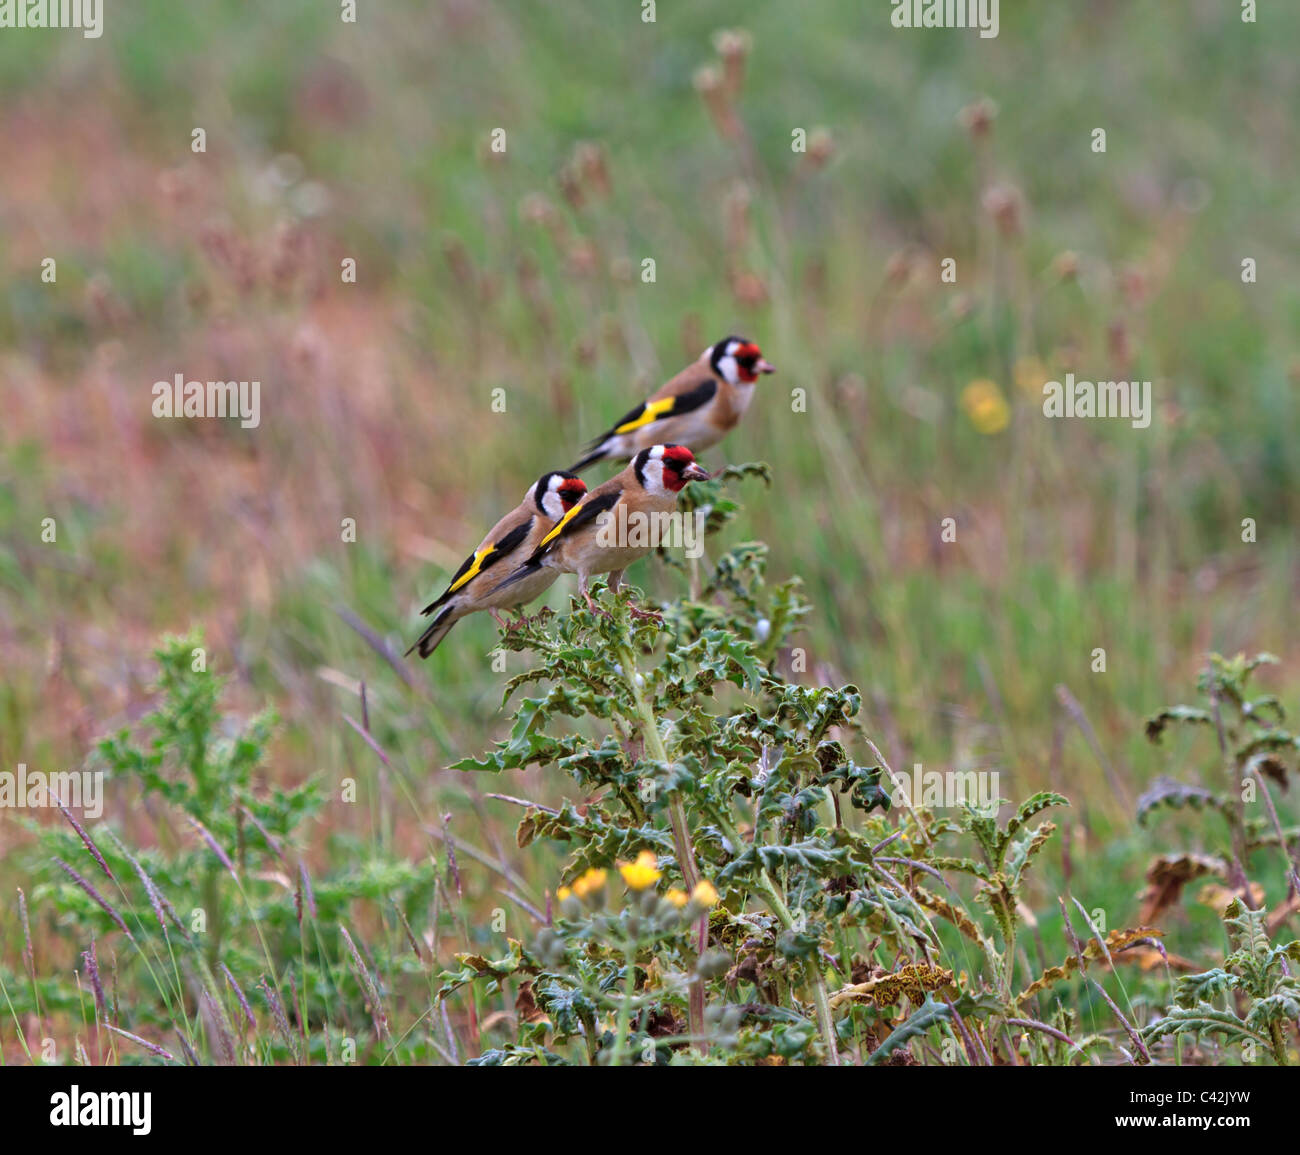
(811, 855)
(1198, 1020)
(1034, 804)
(474, 966)
(1192, 715)
(1193, 989)
(863, 781)
(1169, 793)
(918, 1024)
(1280, 1008)
(964, 865)
(564, 1003)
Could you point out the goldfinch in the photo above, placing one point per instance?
(514, 538)
(596, 535)
(697, 408)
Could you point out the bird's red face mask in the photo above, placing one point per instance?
(680, 467)
(750, 362)
(571, 492)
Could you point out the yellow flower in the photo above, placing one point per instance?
(676, 897)
(563, 893)
(589, 883)
(704, 894)
(1030, 374)
(985, 406)
(642, 873)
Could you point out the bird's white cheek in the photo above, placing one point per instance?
(654, 480)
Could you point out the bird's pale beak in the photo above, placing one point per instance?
(695, 472)
(764, 366)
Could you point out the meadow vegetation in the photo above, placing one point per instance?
(444, 862)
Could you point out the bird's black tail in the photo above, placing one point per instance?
(597, 454)
(438, 629)
(529, 568)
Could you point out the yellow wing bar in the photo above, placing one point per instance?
(559, 525)
(652, 411)
(476, 567)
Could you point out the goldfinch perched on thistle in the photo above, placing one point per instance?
(697, 408)
(593, 538)
(514, 538)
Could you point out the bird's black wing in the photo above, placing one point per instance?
(483, 560)
(647, 413)
(650, 411)
(582, 514)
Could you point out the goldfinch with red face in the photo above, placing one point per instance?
(697, 408)
(508, 543)
(586, 541)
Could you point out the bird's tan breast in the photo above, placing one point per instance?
(606, 545)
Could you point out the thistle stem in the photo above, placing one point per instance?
(1279, 1043)
(825, 1023)
(681, 832)
(624, 1019)
(772, 896)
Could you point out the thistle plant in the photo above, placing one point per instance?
(741, 884)
(221, 907)
(594, 956)
(1251, 1000)
(666, 756)
(1254, 748)
(702, 757)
